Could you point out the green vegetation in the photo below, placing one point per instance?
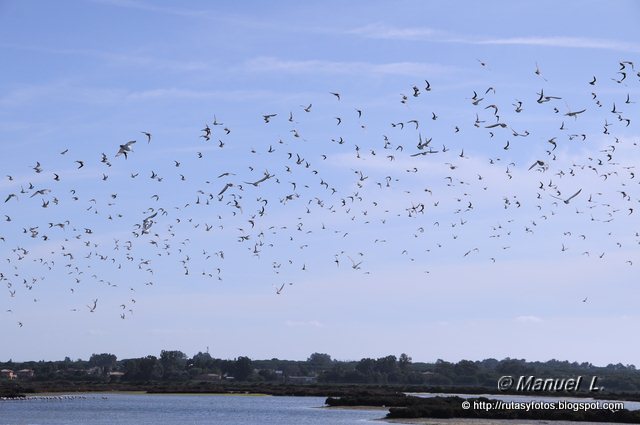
(403, 406)
(174, 370)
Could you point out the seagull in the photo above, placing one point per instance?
(543, 98)
(538, 72)
(93, 308)
(539, 163)
(566, 201)
(224, 189)
(267, 176)
(268, 117)
(518, 106)
(574, 114)
(354, 265)
(125, 149)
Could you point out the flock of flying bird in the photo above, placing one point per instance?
(434, 179)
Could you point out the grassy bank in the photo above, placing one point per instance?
(402, 407)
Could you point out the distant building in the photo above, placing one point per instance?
(25, 373)
(115, 376)
(209, 377)
(302, 379)
(8, 374)
(94, 371)
(72, 371)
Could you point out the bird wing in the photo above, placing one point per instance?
(573, 196)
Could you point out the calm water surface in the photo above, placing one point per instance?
(144, 409)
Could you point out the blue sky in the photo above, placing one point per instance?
(458, 254)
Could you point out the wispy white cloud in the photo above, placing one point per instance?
(66, 90)
(59, 90)
(178, 93)
(127, 59)
(309, 323)
(566, 42)
(381, 31)
(150, 7)
(385, 32)
(528, 319)
(343, 67)
(213, 15)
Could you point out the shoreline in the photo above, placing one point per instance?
(362, 407)
(118, 392)
(320, 390)
(462, 421)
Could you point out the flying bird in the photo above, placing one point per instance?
(92, 308)
(125, 149)
(566, 201)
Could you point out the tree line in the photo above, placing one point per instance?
(176, 366)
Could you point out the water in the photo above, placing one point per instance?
(151, 409)
(146, 409)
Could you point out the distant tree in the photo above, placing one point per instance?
(366, 366)
(104, 361)
(268, 375)
(404, 362)
(466, 367)
(173, 363)
(226, 367)
(65, 364)
(202, 361)
(387, 364)
(466, 372)
(290, 368)
(8, 365)
(490, 363)
(514, 367)
(618, 366)
(443, 367)
(335, 374)
(142, 369)
(319, 361)
(242, 368)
